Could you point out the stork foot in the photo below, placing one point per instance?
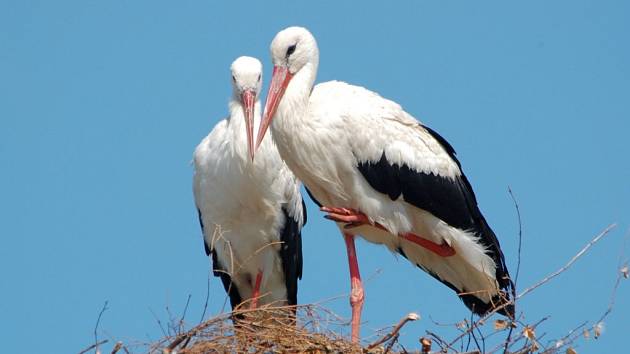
(351, 217)
(354, 218)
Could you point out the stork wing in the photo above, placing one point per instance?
(434, 183)
(400, 157)
(294, 212)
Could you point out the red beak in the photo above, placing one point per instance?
(248, 99)
(279, 81)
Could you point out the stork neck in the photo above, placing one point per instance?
(294, 103)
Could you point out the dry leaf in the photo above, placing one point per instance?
(535, 346)
(586, 334)
(571, 351)
(426, 344)
(598, 329)
(529, 333)
(625, 272)
(500, 325)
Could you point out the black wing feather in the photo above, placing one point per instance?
(291, 253)
(219, 271)
(205, 245)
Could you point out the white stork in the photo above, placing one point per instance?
(251, 212)
(380, 174)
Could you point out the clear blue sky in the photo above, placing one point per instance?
(103, 102)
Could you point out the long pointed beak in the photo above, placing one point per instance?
(248, 99)
(279, 81)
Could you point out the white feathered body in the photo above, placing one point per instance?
(240, 204)
(323, 139)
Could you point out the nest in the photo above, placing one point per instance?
(303, 329)
(314, 329)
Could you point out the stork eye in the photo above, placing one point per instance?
(291, 49)
(233, 78)
(259, 77)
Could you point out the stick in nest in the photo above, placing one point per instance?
(410, 317)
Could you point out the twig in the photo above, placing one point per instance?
(527, 349)
(181, 320)
(170, 324)
(613, 295)
(622, 269)
(391, 343)
(158, 322)
(520, 235)
(410, 317)
(540, 283)
(518, 261)
(98, 321)
(534, 327)
(117, 347)
(471, 334)
(568, 265)
(93, 346)
(205, 306)
(183, 336)
(186, 342)
(441, 342)
(483, 341)
(566, 340)
(574, 334)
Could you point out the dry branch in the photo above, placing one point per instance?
(568, 265)
(410, 317)
(95, 345)
(117, 347)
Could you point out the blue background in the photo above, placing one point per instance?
(103, 102)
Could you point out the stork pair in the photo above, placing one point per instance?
(370, 166)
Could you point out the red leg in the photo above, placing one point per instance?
(356, 293)
(443, 250)
(256, 294)
(356, 218)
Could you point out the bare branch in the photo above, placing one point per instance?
(518, 261)
(98, 321)
(205, 306)
(157, 319)
(410, 317)
(117, 347)
(391, 343)
(568, 265)
(93, 346)
(181, 320)
(520, 235)
(474, 325)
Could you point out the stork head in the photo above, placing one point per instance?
(292, 50)
(246, 85)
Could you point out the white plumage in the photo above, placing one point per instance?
(379, 125)
(251, 211)
(354, 149)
